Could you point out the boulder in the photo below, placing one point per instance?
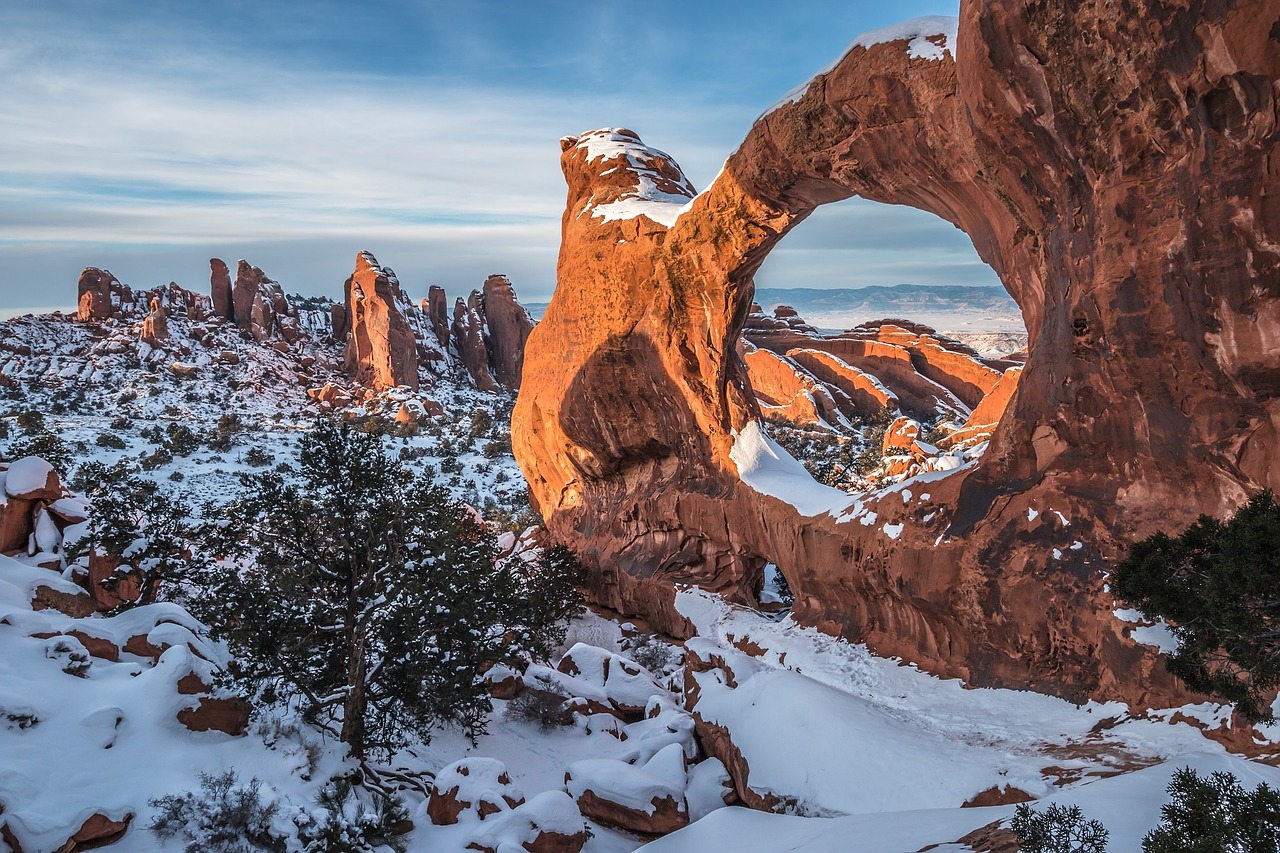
(547, 823)
(76, 604)
(609, 681)
(229, 715)
(108, 586)
(32, 479)
(647, 800)
(476, 786)
(98, 830)
(16, 525)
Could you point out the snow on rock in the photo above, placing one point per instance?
(766, 467)
(1128, 805)
(88, 739)
(709, 788)
(891, 728)
(473, 788)
(921, 34)
(33, 479)
(639, 181)
(647, 799)
(607, 682)
(547, 823)
(747, 831)
(664, 724)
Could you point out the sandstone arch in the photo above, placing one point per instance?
(1118, 170)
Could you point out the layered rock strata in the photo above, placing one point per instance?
(1123, 187)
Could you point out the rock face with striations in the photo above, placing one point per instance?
(1125, 189)
(382, 351)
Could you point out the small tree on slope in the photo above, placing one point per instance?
(1057, 829)
(372, 597)
(1218, 583)
(135, 522)
(1216, 815)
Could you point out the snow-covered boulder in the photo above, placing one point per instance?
(548, 823)
(32, 479)
(472, 786)
(710, 787)
(665, 723)
(607, 682)
(648, 799)
(503, 682)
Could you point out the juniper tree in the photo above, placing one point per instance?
(1216, 815)
(150, 533)
(370, 596)
(1218, 584)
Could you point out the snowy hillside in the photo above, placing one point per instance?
(755, 735)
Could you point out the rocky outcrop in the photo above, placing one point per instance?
(509, 325)
(260, 306)
(477, 785)
(35, 510)
(382, 351)
(220, 290)
(94, 292)
(98, 830)
(786, 392)
(437, 308)
(155, 328)
(1124, 189)
(470, 341)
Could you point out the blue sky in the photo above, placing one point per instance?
(148, 137)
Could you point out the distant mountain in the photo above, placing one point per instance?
(946, 307)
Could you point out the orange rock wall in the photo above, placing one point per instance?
(1118, 173)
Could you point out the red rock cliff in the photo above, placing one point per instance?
(1119, 174)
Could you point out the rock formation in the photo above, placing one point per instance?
(260, 307)
(1123, 186)
(471, 341)
(155, 328)
(93, 294)
(220, 290)
(382, 351)
(509, 326)
(437, 308)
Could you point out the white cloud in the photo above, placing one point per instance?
(148, 162)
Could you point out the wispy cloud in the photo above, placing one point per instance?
(146, 139)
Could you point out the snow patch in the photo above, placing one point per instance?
(766, 467)
(916, 32)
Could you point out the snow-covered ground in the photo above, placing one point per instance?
(848, 745)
